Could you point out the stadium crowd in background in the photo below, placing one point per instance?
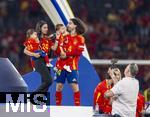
(117, 29)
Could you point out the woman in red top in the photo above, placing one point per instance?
(32, 44)
(40, 66)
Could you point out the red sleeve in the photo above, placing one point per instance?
(30, 45)
(99, 96)
(60, 42)
(97, 89)
(26, 43)
(61, 39)
(78, 48)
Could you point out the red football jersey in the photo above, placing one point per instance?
(73, 46)
(31, 44)
(100, 99)
(60, 44)
(60, 62)
(140, 104)
(45, 44)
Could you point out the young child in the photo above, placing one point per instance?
(62, 32)
(32, 44)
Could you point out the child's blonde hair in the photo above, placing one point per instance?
(30, 32)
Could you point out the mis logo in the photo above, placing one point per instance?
(37, 102)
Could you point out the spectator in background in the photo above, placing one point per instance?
(147, 100)
(147, 95)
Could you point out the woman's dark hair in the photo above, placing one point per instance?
(39, 26)
(81, 27)
(29, 32)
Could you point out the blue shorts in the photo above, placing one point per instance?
(71, 77)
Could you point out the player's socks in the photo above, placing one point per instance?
(77, 98)
(58, 96)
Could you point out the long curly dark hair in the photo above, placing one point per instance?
(81, 27)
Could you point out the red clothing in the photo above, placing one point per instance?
(60, 44)
(103, 103)
(46, 44)
(60, 62)
(73, 46)
(61, 40)
(140, 104)
(31, 44)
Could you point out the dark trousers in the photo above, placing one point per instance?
(46, 79)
